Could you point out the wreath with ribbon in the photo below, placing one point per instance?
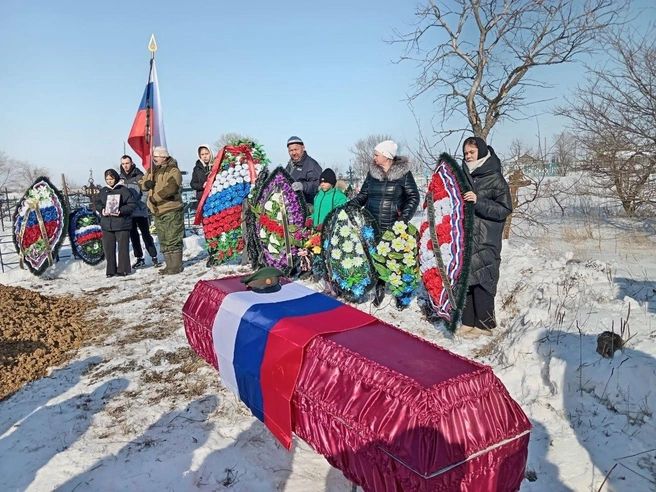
(348, 240)
(220, 209)
(40, 224)
(280, 225)
(445, 249)
(85, 234)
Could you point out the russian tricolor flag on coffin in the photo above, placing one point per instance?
(259, 341)
(144, 125)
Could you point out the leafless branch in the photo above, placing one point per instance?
(476, 55)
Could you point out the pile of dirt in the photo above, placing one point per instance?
(36, 332)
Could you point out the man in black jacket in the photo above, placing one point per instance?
(303, 169)
(130, 177)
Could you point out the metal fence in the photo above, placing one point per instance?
(8, 204)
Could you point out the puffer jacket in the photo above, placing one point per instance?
(131, 181)
(389, 196)
(493, 205)
(165, 196)
(126, 206)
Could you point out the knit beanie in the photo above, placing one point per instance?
(294, 140)
(387, 148)
(328, 176)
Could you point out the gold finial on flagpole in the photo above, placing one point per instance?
(152, 45)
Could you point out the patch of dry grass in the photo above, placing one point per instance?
(577, 234)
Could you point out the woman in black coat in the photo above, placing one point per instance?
(491, 197)
(116, 204)
(201, 170)
(390, 193)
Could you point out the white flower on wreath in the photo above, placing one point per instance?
(399, 227)
(347, 247)
(359, 249)
(336, 254)
(334, 240)
(272, 249)
(354, 236)
(393, 265)
(263, 233)
(383, 248)
(398, 244)
(275, 197)
(395, 280)
(409, 259)
(279, 216)
(347, 263)
(358, 261)
(411, 242)
(274, 240)
(342, 215)
(268, 206)
(344, 231)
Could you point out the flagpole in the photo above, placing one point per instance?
(152, 47)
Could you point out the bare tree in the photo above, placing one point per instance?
(226, 138)
(476, 55)
(18, 174)
(614, 116)
(518, 149)
(5, 169)
(563, 152)
(363, 153)
(25, 174)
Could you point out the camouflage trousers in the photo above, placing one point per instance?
(170, 230)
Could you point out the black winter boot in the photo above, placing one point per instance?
(379, 294)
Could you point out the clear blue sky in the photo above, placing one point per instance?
(73, 73)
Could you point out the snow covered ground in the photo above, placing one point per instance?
(131, 412)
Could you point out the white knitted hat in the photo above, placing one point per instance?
(387, 148)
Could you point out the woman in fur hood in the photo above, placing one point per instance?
(389, 192)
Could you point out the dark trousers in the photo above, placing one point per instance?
(109, 240)
(479, 309)
(141, 224)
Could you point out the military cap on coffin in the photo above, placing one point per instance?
(264, 280)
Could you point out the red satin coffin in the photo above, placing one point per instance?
(393, 411)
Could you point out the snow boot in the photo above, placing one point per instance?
(173, 263)
(379, 295)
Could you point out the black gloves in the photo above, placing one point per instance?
(149, 185)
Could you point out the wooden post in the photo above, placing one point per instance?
(517, 180)
(65, 188)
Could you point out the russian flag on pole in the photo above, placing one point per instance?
(259, 341)
(148, 127)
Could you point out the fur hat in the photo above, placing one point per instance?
(328, 176)
(387, 148)
(160, 152)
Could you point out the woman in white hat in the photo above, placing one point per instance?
(389, 192)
